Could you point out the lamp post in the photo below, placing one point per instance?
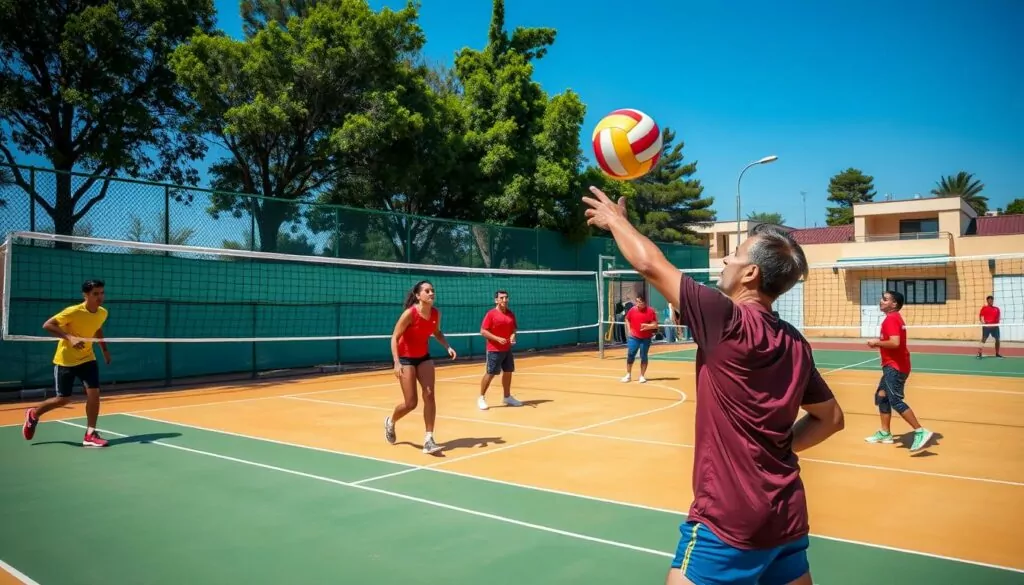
(763, 161)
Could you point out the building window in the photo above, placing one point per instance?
(920, 291)
(919, 229)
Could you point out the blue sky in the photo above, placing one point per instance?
(906, 91)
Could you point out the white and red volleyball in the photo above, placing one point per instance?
(627, 144)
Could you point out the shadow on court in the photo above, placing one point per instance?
(460, 443)
(905, 440)
(115, 441)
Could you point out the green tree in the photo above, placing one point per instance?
(256, 14)
(85, 83)
(1016, 206)
(295, 107)
(963, 185)
(773, 218)
(524, 147)
(845, 189)
(667, 200)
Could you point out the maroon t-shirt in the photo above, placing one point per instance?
(754, 371)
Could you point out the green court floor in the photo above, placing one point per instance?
(932, 363)
(173, 504)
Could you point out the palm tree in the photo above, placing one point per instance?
(966, 186)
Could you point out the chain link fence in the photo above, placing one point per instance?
(133, 210)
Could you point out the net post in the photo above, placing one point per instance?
(600, 302)
(5, 287)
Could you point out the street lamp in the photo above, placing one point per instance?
(763, 161)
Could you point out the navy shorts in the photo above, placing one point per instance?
(64, 377)
(704, 558)
(500, 361)
(986, 332)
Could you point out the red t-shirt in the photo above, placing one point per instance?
(754, 371)
(989, 315)
(635, 317)
(500, 324)
(414, 341)
(899, 358)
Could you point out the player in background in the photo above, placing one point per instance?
(748, 522)
(641, 323)
(75, 359)
(892, 347)
(989, 317)
(499, 329)
(410, 349)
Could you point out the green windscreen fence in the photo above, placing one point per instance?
(214, 313)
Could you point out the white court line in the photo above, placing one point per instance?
(682, 399)
(357, 485)
(556, 492)
(17, 574)
(668, 443)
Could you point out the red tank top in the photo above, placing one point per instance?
(414, 341)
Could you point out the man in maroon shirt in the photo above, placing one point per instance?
(989, 317)
(499, 329)
(748, 521)
(892, 348)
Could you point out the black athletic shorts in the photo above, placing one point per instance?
(410, 361)
(64, 377)
(500, 361)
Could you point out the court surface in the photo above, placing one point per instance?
(292, 482)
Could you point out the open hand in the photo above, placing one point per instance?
(603, 211)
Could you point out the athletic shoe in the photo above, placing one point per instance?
(880, 437)
(429, 446)
(481, 403)
(93, 439)
(921, 438)
(625, 378)
(511, 401)
(389, 430)
(28, 430)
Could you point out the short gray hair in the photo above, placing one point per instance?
(780, 258)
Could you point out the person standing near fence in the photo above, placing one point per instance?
(641, 323)
(75, 359)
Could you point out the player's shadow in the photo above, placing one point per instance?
(113, 442)
(906, 440)
(530, 403)
(460, 443)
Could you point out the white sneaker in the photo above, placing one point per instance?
(511, 401)
(625, 378)
(643, 380)
(481, 403)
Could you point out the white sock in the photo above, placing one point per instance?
(90, 431)
(430, 436)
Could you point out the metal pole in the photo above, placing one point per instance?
(600, 303)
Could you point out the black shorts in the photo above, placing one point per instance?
(411, 361)
(989, 331)
(500, 361)
(64, 377)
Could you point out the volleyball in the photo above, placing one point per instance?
(627, 144)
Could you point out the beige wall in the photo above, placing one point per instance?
(989, 245)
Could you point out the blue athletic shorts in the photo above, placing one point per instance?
(704, 559)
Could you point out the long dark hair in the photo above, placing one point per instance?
(410, 299)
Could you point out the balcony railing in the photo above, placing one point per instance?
(904, 236)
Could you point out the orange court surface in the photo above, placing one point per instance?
(586, 483)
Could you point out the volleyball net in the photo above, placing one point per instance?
(943, 298)
(213, 310)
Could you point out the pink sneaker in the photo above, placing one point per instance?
(94, 439)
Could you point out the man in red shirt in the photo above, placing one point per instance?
(642, 322)
(748, 521)
(989, 317)
(499, 328)
(892, 346)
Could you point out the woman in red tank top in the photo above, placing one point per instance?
(410, 348)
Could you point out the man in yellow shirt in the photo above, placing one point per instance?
(75, 325)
